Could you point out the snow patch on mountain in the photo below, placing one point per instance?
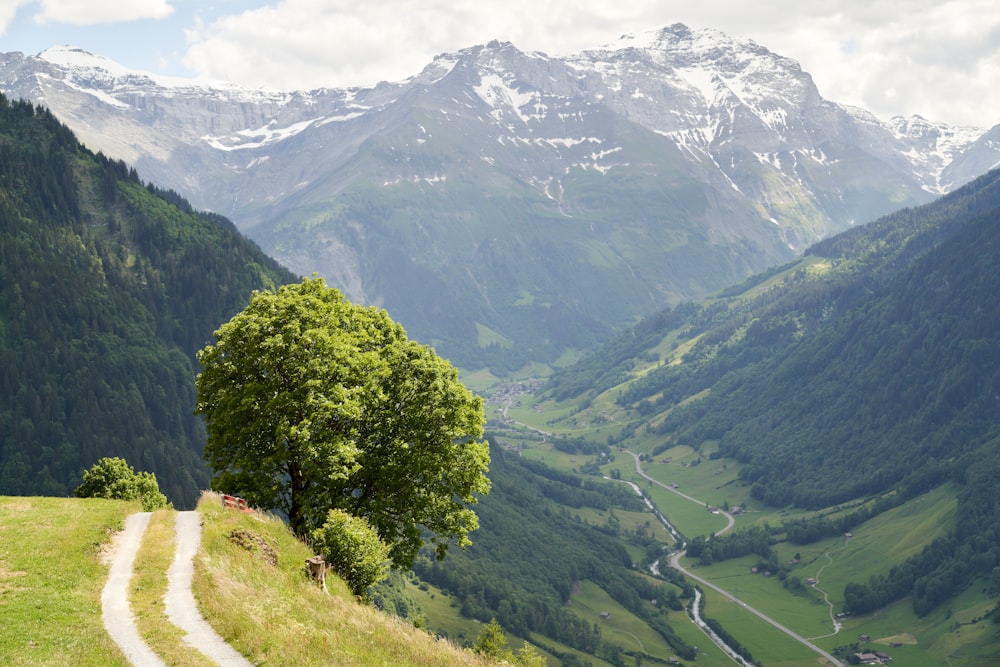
(258, 138)
(86, 90)
(76, 58)
(701, 80)
(498, 92)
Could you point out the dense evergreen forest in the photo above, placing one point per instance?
(522, 565)
(107, 288)
(870, 368)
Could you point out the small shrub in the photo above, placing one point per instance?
(353, 549)
(114, 478)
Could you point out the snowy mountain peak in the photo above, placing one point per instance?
(681, 42)
(747, 117)
(73, 57)
(666, 135)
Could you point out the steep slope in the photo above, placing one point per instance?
(868, 369)
(107, 289)
(875, 338)
(507, 205)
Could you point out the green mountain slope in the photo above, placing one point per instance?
(869, 368)
(477, 244)
(533, 552)
(107, 288)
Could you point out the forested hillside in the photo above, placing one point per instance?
(107, 289)
(524, 563)
(869, 368)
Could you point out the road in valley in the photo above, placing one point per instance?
(730, 521)
(675, 563)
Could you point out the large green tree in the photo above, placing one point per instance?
(314, 403)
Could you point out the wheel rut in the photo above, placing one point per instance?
(181, 608)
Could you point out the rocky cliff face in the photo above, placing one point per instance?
(507, 205)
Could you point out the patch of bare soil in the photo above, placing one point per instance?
(255, 544)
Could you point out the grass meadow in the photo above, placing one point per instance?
(51, 577)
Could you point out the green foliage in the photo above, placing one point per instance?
(114, 478)
(353, 548)
(868, 370)
(315, 403)
(523, 566)
(492, 642)
(106, 292)
(755, 539)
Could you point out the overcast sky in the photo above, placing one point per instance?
(936, 58)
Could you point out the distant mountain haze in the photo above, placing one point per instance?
(507, 206)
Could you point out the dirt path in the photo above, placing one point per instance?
(179, 600)
(118, 619)
(826, 596)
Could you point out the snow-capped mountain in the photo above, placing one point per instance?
(509, 205)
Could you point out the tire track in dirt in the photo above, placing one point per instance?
(118, 618)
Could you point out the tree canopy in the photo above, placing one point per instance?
(315, 403)
(113, 477)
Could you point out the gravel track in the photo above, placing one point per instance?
(118, 618)
(179, 600)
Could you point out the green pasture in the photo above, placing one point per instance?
(442, 613)
(712, 482)
(804, 611)
(51, 578)
(692, 519)
(768, 645)
(627, 521)
(549, 647)
(631, 633)
(878, 544)
(955, 634)
(478, 381)
(553, 457)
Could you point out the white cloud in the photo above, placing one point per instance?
(91, 12)
(8, 9)
(938, 59)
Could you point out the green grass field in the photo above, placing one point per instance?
(51, 577)
(690, 518)
(768, 645)
(631, 633)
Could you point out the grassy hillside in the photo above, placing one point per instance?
(51, 576)
(275, 616)
(52, 573)
(829, 395)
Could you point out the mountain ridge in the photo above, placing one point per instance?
(487, 198)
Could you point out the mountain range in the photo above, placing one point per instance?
(509, 206)
(849, 381)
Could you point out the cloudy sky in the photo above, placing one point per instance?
(936, 58)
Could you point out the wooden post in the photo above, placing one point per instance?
(317, 567)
